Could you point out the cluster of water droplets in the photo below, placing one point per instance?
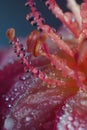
(72, 119)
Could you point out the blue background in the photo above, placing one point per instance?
(13, 13)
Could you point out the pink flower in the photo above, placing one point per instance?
(47, 91)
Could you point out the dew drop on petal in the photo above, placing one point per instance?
(27, 119)
(6, 99)
(9, 123)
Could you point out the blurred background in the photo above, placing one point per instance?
(13, 14)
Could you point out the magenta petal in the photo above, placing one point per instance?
(74, 114)
(25, 101)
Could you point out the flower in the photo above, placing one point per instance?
(47, 91)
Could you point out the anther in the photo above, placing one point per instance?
(10, 34)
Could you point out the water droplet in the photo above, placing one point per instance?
(9, 123)
(45, 104)
(36, 79)
(70, 118)
(46, 77)
(70, 127)
(59, 69)
(35, 71)
(12, 98)
(41, 76)
(73, 19)
(22, 86)
(83, 102)
(23, 78)
(67, 106)
(6, 99)
(9, 106)
(27, 76)
(76, 123)
(27, 119)
(15, 89)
